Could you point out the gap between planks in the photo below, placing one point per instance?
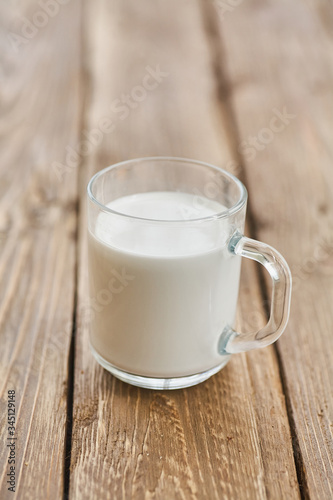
(84, 86)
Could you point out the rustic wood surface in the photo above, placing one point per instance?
(262, 427)
(294, 72)
(40, 108)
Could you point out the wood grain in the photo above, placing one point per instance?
(228, 437)
(39, 118)
(292, 178)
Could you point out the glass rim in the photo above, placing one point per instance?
(219, 215)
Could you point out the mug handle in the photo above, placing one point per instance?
(233, 342)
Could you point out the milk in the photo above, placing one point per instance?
(162, 293)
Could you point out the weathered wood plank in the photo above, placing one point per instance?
(39, 117)
(280, 57)
(212, 441)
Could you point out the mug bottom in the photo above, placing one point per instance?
(158, 383)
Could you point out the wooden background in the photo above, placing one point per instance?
(262, 427)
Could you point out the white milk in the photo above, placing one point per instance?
(161, 293)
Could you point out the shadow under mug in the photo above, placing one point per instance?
(164, 290)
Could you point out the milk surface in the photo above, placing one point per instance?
(161, 293)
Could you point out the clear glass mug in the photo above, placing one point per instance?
(164, 283)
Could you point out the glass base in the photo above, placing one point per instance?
(157, 383)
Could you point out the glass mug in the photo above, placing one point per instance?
(165, 243)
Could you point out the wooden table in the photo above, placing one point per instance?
(245, 85)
